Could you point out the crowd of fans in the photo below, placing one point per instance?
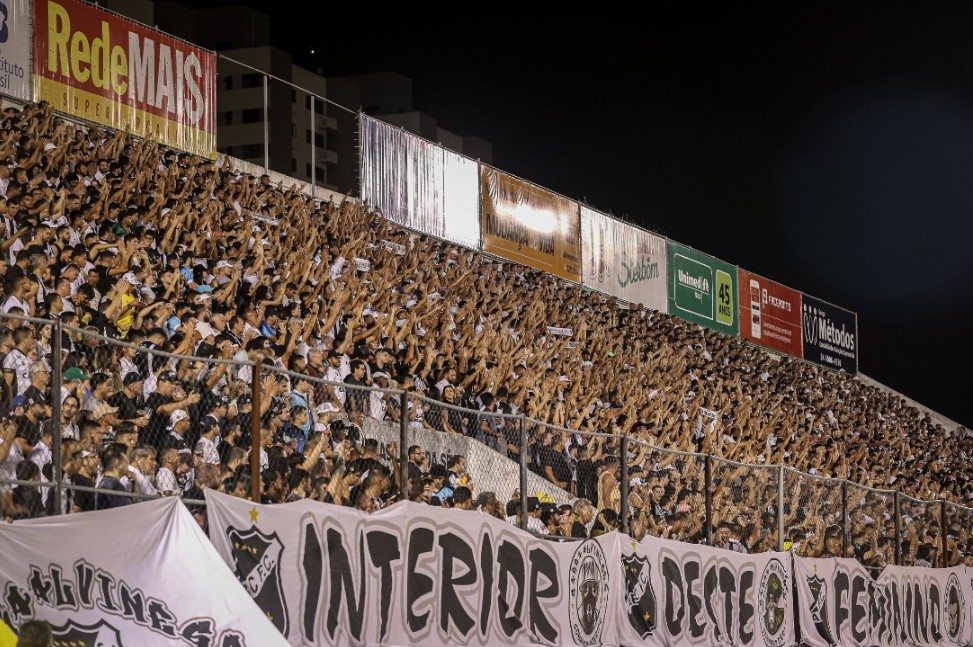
(165, 251)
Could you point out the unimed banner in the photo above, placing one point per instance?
(686, 594)
(770, 314)
(103, 68)
(15, 21)
(137, 575)
(830, 335)
(840, 604)
(624, 261)
(702, 289)
(414, 574)
(528, 224)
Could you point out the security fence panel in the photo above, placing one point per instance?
(813, 515)
(959, 535)
(744, 506)
(667, 496)
(920, 541)
(871, 527)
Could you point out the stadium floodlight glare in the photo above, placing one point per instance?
(540, 220)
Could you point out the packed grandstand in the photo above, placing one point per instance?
(172, 275)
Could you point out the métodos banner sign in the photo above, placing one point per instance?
(830, 335)
(840, 604)
(770, 314)
(528, 224)
(623, 261)
(137, 575)
(101, 67)
(702, 289)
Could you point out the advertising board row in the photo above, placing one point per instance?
(528, 224)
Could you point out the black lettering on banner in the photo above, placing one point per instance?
(40, 586)
(691, 570)
(542, 565)
(510, 563)
(711, 589)
(133, 603)
(747, 611)
(728, 586)
(161, 618)
(341, 582)
(19, 602)
(486, 583)
(921, 628)
(64, 597)
(198, 632)
(106, 586)
(858, 610)
(675, 604)
(312, 563)
(417, 585)
(897, 627)
(451, 607)
(935, 613)
(84, 576)
(383, 547)
(875, 616)
(230, 638)
(841, 585)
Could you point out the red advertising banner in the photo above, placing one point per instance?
(770, 314)
(103, 68)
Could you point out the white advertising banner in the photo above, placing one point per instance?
(461, 200)
(685, 594)
(141, 574)
(623, 261)
(840, 604)
(413, 574)
(15, 48)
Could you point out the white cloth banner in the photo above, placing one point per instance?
(685, 594)
(137, 575)
(15, 49)
(840, 604)
(413, 574)
(624, 261)
(488, 469)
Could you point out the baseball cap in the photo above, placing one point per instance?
(132, 377)
(85, 453)
(74, 373)
(222, 264)
(177, 416)
(130, 277)
(167, 376)
(533, 503)
(104, 409)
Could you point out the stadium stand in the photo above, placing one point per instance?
(171, 275)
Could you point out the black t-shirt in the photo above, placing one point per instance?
(557, 462)
(84, 500)
(29, 430)
(155, 432)
(357, 399)
(128, 408)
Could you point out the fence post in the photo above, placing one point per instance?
(403, 446)
(844, 518)
(944, 562)
(255, 434)
(898, 529)
(623, 508)
(523, 472)
(267, 125)
(57, 381)
(314, 170)
(708, 486)
(780, 507)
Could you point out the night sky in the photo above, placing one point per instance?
(831, 153)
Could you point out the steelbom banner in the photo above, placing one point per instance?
(414, 574)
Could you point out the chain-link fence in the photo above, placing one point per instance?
(813, 515)
(920, 543)
(744, 505)
(871, 526)
(667, 493)
(959, 535)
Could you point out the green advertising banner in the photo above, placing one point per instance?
(702, 289)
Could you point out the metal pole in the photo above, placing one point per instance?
(314, 170)
(623, 489)
(898, 529)
(57, 380)
(266, 126)
(255, 435)
(404, 446)
(780, 508)
(944, 561)
(708, 469)
(523, 472)
(844, 518)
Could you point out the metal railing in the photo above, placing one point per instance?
(647, 490)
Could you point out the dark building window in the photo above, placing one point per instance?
(251, 151)
(251, 81)
(250, 116)
(227, 82)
